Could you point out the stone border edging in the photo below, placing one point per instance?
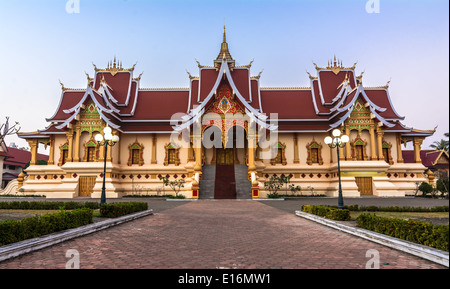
(30, 245)
(425, 252)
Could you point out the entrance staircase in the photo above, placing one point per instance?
(243, 184)
(225, 182)
(207, 183)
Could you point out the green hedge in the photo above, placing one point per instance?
(35, 205)
(396, 209)
(114, 210)
(424, 233)
(328, 212)
(12, 231)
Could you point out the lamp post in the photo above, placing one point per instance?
(338, 141)
(107, 140)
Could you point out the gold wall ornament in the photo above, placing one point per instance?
(172, 156)
(387, 152)
(314, 153)
(358, 146)
(281, 155)
(90, 145)
(63, 153)
(136, 154)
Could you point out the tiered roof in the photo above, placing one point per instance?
(127, 107)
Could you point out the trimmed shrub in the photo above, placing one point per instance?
(425, 188)
(397, 209)
(114, 210)
(328, 212)
(26, 205)
(424, 233)
(12, 231)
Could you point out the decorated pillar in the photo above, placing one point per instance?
(197, 139)
(101, 156)
(153, 161)
(296, 158)
(251, 153)
(255, 189)
(76, 157)
(69, 134)
(348, 152)
(399, 149)
(33, 143)
(417, 143)
(195, 189)
(51, 157)
(373, 155)
(380, 133)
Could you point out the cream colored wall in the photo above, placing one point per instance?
(392, 140)
(84, 137)
(128, 139)
(59, 140)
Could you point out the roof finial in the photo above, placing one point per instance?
(224, 34)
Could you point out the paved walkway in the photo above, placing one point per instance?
(218, 234)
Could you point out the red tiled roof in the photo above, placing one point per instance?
(429, 157)
(149, 108)
(21, 157)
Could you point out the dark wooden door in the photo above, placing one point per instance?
(364, 185)
(86, 186)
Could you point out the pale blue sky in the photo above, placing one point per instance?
(407, 42)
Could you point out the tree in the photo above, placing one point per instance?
(273, 185)
(441, 144)
(175, 185)
(6, 129)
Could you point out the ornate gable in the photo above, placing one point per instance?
(90, 119)
(359, 117)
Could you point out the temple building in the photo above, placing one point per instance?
(225, 118)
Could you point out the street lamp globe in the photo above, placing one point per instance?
(328, 140)
(115, 138)
(107, 130)
(345, 138)
(98, 137)
(108, 136)
(336, 133)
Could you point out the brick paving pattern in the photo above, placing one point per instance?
(219, 234)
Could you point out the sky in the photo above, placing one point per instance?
(47, 41)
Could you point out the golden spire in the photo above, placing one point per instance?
(224, 53)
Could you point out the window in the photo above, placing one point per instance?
(358, 149)
(65, 155)
(314, 155)
(359, 152)
(279, 158)
(136, 151)
(386, 154)
(281, 155)
(91, 154)
(135, 156)
(172, 155)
